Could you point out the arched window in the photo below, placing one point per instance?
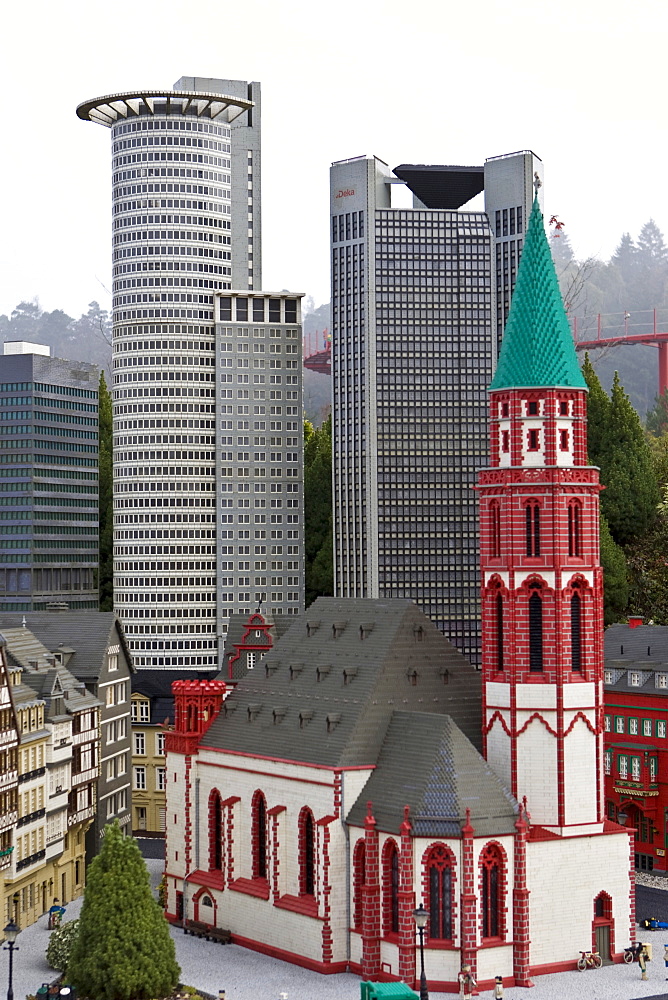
(574, 529)
(215, 831)
(306, 853)
(495, 529)
(535, 628)
(259, 835)
(499, 631)
(439, 865)
(359, 881)
(576, 631)
(532, 525)
(390, 887)
(492, 892)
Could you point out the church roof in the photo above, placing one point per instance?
(427, 763)
(537, 347)
(326, 692)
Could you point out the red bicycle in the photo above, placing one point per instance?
(589, 960)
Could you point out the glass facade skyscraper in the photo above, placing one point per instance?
(48, 481)
(414, 343)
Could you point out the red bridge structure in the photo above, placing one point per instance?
(318, 360)
(614, 329)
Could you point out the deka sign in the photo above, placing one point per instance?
(345, 194)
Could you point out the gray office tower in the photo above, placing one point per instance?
(48, 480)
(419, 298)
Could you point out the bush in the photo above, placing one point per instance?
(60, 945)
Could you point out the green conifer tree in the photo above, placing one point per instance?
(598, 413)
(615, 576)
(106, 499)
(318, 510)
(123, 950)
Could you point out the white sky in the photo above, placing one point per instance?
(581, 82)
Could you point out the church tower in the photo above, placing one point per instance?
(542, 599)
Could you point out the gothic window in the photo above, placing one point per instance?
(492, 891)
(495, 529)
(563, 440)
(440, 878)
(574, 529)
(505, 441)
(359, 881)
(535, 628)
(306, 853)
(499, 631)
(576, 632)
(215, 832)
(533, 439)
(259, 835)
(391, 887)
(532, 525)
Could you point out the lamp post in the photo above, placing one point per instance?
(420, 916)
(11, 933)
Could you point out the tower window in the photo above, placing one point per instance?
(563, 408)
(505, 441)
(499, 632)
(440, 864)
(505, 409)
(495, 529)
(532, 517)
(576, 632)
(533, 439)
(533, 408)
(574, 528)
(535, 630)
(563, 440)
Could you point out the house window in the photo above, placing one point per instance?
(160, 779)
(619, 724)
(576, 626)
(635, 768)
(607, 761)
(140, 711)
(607, 723)
(306, 853)
(661, 729)
(535, 629)
(440, 867)
(160, 744)
(492, 891)
(215, 832)
(259, 835)
(623, 766)
(390, 887)
(662, 680)
(574, 529)
(653, 768)
(607, 676)
(633, 727)
(634, 678)
(140, 744)
(532, 526)
(359, 881)
(647, 727)
(140, 778)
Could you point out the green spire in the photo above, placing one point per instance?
(537, 347)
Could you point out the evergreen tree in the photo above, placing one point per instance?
(598, 413)
(123, 950)
(631, 496)
(615, 576)
(106, 499)
(318, 510)
(656, 421)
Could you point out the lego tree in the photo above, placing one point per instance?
(123, 950)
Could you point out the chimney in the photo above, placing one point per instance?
(635, 621)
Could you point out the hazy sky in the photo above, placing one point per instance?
(581, 82)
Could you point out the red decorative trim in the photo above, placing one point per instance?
(258, 887)
(537, 715)
(290, 956)
(307, 905)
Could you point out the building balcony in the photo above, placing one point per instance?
(87, 736)
(8, 738)
(636, 789)
(6, 858)
(8, 820)
(83, 777)
(32, 860)
(31, 817)
(8, 779)
(30, 775)
(88, 812)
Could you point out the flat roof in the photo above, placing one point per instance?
(115, 107)
(437, 186)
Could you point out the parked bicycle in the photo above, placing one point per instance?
(631, 953)
(589, 960)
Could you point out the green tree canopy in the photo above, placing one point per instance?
(123, 950)
(615, 576)
(598, 413)
(318, 510)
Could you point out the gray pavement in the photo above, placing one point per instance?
(246, 975)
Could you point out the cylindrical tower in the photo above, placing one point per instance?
(174, 247)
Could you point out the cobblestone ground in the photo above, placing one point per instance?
(245, 975)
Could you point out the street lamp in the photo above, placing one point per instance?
(11, 933)
(420, 916)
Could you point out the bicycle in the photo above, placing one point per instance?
(589, 960)
(631, 953)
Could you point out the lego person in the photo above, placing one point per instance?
(467, 983)
(498, 988)
(665, 957)
(642, 961)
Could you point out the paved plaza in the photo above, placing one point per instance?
(246, 975)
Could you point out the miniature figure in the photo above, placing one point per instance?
(642, 961)
(55, 915)
(467, 983)
(498, 988)
(665, 957)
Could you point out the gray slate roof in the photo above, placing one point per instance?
(427, 763)
(346, 688)
(86, 632)
(643, 649)
(156, 685)
(236, 630)
(47, 680)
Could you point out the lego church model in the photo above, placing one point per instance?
(363, 767)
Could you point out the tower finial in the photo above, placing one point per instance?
(537, 183)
